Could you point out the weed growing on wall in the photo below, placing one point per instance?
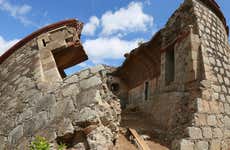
(40, 143)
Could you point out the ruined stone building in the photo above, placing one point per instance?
(38, 99)
(179, 81)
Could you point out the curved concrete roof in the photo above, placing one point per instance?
(70, 22)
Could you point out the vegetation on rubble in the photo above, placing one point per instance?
(61, 147)
(40, 143)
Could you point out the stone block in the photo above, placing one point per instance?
(2, 143)
(61, 108)
(49, 133)
(226, 133)
(207, 132)
(220, 120)
(222, 98)
(221, 107)
(225, 145)
(87, 115)
(202, 106)
(206, 95)
(91, 82)
(88, 98)
(80, 146)
(219, 64)
(23, 144)
(186, 145)
(103, 73)
(227, 122)
(220, 79)
(84, 74)
(227, 108)
(215, 96)
(65, 127)
(200, 119)
(215, 145)
(211, 120)
(201, 145)
(217, 133)
(72, 79)
(214, 107)
(25, 115)
(45, 102)
(29, 127)
(41, 120)
(15, 134)
(216, 88)
(194, 133)
(69, 90)
(206, 83)
(228, 98)
(226, 80)
(100, 138)
(212, 60)
(224, 89)
(96, 69)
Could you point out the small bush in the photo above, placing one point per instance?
(61, 147)
(40, 143)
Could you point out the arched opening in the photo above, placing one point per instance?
(115, 87)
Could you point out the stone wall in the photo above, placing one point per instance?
(210, 126)
(169, 100)
(195, 105)
(119, 88)
(63, 110)
(136, 96)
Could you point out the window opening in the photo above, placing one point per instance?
(146, 91)
(44, 42)
(169, 67)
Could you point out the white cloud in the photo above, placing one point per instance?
(91, 26)
(147, 2)
(5, 45)
(102, 49)
(109, 44)
(125, 20)
(24, 9)
(130, 19)
(1, 1)
(17, 11)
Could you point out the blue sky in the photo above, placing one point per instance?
(111, 29)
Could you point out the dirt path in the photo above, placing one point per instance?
(140, 123)
(124, 144)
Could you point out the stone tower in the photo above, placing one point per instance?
(181, 78)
